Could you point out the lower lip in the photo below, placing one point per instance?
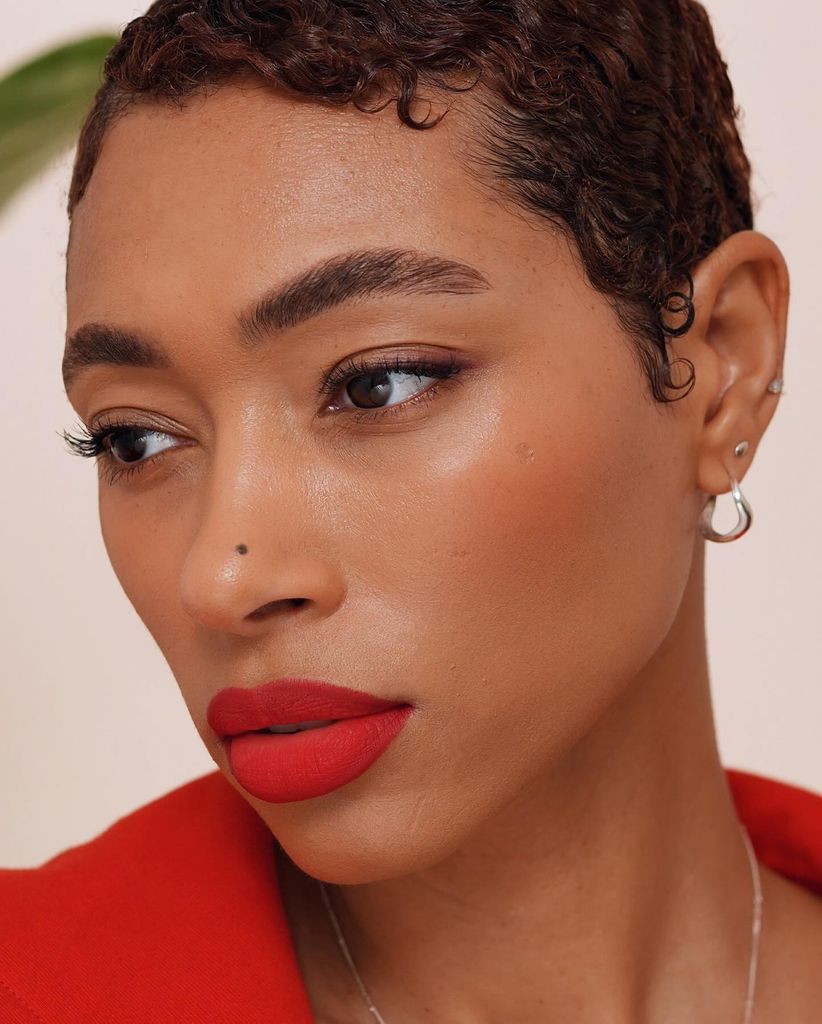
(281, 767)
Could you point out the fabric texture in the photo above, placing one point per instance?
(172, 914)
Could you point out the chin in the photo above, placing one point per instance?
(348, 841)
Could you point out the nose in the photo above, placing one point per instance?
(255, 559)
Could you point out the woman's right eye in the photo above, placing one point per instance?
(128, 445)
(121, 449)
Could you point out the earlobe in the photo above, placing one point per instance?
(741, 297)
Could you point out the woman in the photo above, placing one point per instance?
(409, 444)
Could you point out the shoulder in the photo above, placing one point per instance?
(151, 859)
(784, 822)
(175, 905)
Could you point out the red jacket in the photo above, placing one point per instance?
(171, 916)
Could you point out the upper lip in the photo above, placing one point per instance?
(238, 709)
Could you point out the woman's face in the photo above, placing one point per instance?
(504, 548)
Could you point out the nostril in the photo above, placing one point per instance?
(271, 607)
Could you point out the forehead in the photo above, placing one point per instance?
(242, 186)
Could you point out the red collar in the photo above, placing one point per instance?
(784, 823)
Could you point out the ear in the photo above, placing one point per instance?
(741, 295)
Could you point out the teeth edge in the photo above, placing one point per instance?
(298, 726)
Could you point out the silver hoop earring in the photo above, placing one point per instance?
(743, 523)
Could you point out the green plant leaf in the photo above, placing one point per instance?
(42, 106)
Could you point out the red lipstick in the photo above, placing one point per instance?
(341, 734)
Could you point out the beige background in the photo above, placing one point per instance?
(91, 722)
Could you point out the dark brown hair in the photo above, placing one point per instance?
(612, 119)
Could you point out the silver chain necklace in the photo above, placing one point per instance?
(756, 930)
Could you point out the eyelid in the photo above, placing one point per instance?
(396, 362)
(136, 419)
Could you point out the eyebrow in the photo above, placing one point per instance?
(329, 283)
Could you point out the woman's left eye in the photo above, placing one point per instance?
(371, 389)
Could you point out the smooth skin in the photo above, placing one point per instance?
(551, 837)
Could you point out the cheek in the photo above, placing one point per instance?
(560, 556)
(142, 546)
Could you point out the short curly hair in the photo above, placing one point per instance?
(614, 121)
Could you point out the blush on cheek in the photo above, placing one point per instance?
(571, 556)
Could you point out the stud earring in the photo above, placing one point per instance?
(744, 511)
(777, 386)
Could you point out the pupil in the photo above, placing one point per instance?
(130, 445)
(372, 394)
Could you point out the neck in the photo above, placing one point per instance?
(617, 888)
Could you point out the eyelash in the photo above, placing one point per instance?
(93, 443)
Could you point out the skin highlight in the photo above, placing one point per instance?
(551, 836)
